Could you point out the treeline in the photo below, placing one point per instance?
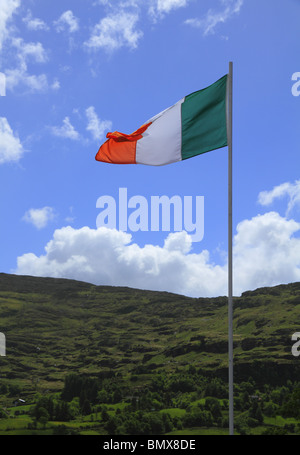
(154, 423)
(151, 409)
(163, 390)
(53, 409)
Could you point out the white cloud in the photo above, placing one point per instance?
(71, 218)
(115, 31)
(213, 18)
(67, 21)
(7, 9)
(107, 256)
(96, 126)
(179, 242)
(20, 53)
(34, 23)
(19, 76)
(67, 130)
(55, 85)
(167, 5)
(33, 50)
(119, 27)
(162, 7)
(11, 148)
(39, 217)
(101, 2)
(291, 190)
(265, 253)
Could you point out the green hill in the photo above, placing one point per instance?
(54, 327)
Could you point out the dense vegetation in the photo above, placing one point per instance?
(84, 359)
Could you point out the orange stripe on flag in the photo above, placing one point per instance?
(117, 152)
(120, 148)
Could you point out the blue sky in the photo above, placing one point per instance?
(75, 70)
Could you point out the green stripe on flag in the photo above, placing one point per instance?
(203, 119)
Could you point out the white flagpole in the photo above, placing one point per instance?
(230, 303)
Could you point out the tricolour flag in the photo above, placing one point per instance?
(196, 124)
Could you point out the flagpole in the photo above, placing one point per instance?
(230, 303)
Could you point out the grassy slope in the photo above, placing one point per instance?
(54, 327)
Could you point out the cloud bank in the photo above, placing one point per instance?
(266, 252)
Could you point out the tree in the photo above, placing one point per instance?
(216, 388)
(86, 407)
(103, 396)
(167, 422)
(104, 415)
(111, 425)
(156, 423)
(72, 387)
(43, 420)
(40, 415)
(117, 396)
(270, 409)
(255, 412)
(62, 412)
(291, 407)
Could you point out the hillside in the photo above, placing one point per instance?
(54, 327)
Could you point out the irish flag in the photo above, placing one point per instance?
(196, 124)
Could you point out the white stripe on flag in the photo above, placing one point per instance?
(161, 142)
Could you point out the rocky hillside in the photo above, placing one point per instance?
(57, 326)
